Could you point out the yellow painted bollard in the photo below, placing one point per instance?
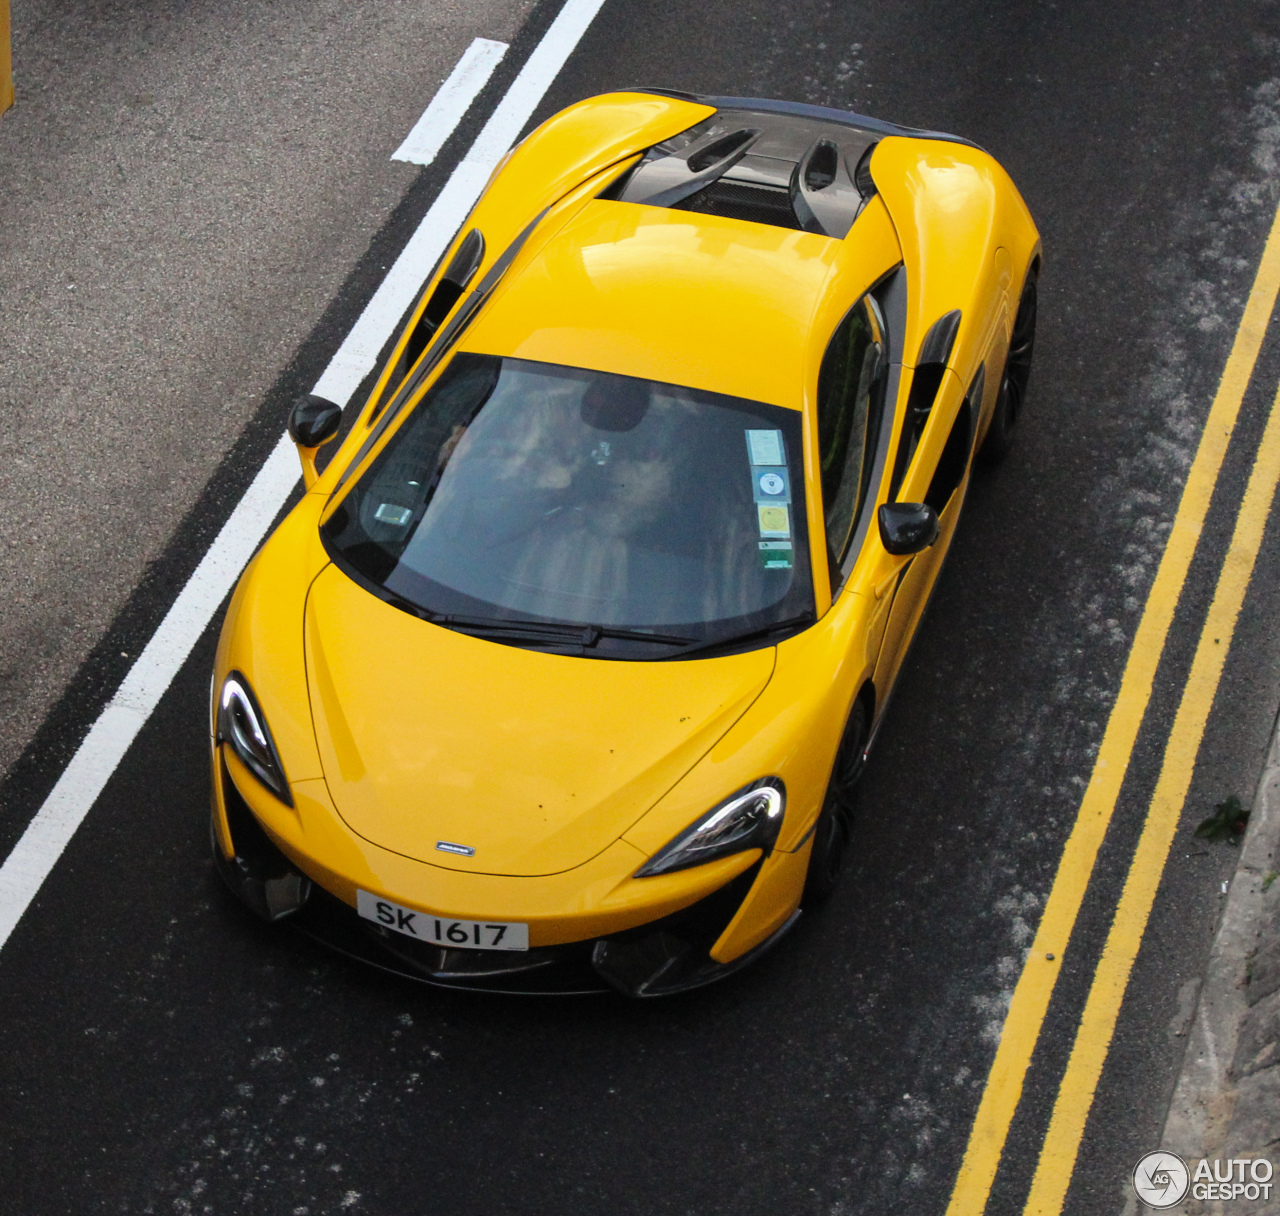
(6, 63)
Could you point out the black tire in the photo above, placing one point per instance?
(1014, 379)
(834, 829)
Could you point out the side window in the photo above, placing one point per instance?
(851, 385)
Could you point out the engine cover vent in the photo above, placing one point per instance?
(739, 201)
(790, 166)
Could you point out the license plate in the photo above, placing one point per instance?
(442, 930)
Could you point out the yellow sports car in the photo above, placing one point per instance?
(562, 672)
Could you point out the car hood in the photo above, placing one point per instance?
(536, 761)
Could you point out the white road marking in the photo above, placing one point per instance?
(452, 101)
(358, 353)
(26, 868)
(63, 811)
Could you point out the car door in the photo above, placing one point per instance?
(935, 472)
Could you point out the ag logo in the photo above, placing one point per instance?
(1161, 1179)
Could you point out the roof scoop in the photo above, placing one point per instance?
(823, 194)
(722, 149)
(671, 179)
(821, 165)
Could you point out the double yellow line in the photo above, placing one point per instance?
(1035, 986)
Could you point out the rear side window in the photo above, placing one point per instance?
(851, 387)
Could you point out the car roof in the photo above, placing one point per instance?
(677, 296)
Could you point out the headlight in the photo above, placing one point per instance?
(748, 820)
(241, 724)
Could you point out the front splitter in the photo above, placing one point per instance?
(661, 958)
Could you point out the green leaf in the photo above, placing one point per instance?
(1228, 821)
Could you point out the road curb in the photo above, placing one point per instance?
(1223, 1106)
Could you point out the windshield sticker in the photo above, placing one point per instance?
(776, 554)
(765, 447)
(771, 485)
(775, 522)
(389, 513)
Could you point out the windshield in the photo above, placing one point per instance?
(528, 494)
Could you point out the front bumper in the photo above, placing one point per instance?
(665, 956)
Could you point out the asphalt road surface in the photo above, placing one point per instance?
(197, 205)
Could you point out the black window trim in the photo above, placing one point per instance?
(889, 295)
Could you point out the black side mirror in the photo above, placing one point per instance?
(314, 421)
(907, 527)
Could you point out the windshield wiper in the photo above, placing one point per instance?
(550, 632)
(641, 635)
(556, 633)
(545, 632)
(384, 592)
(791, 623)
